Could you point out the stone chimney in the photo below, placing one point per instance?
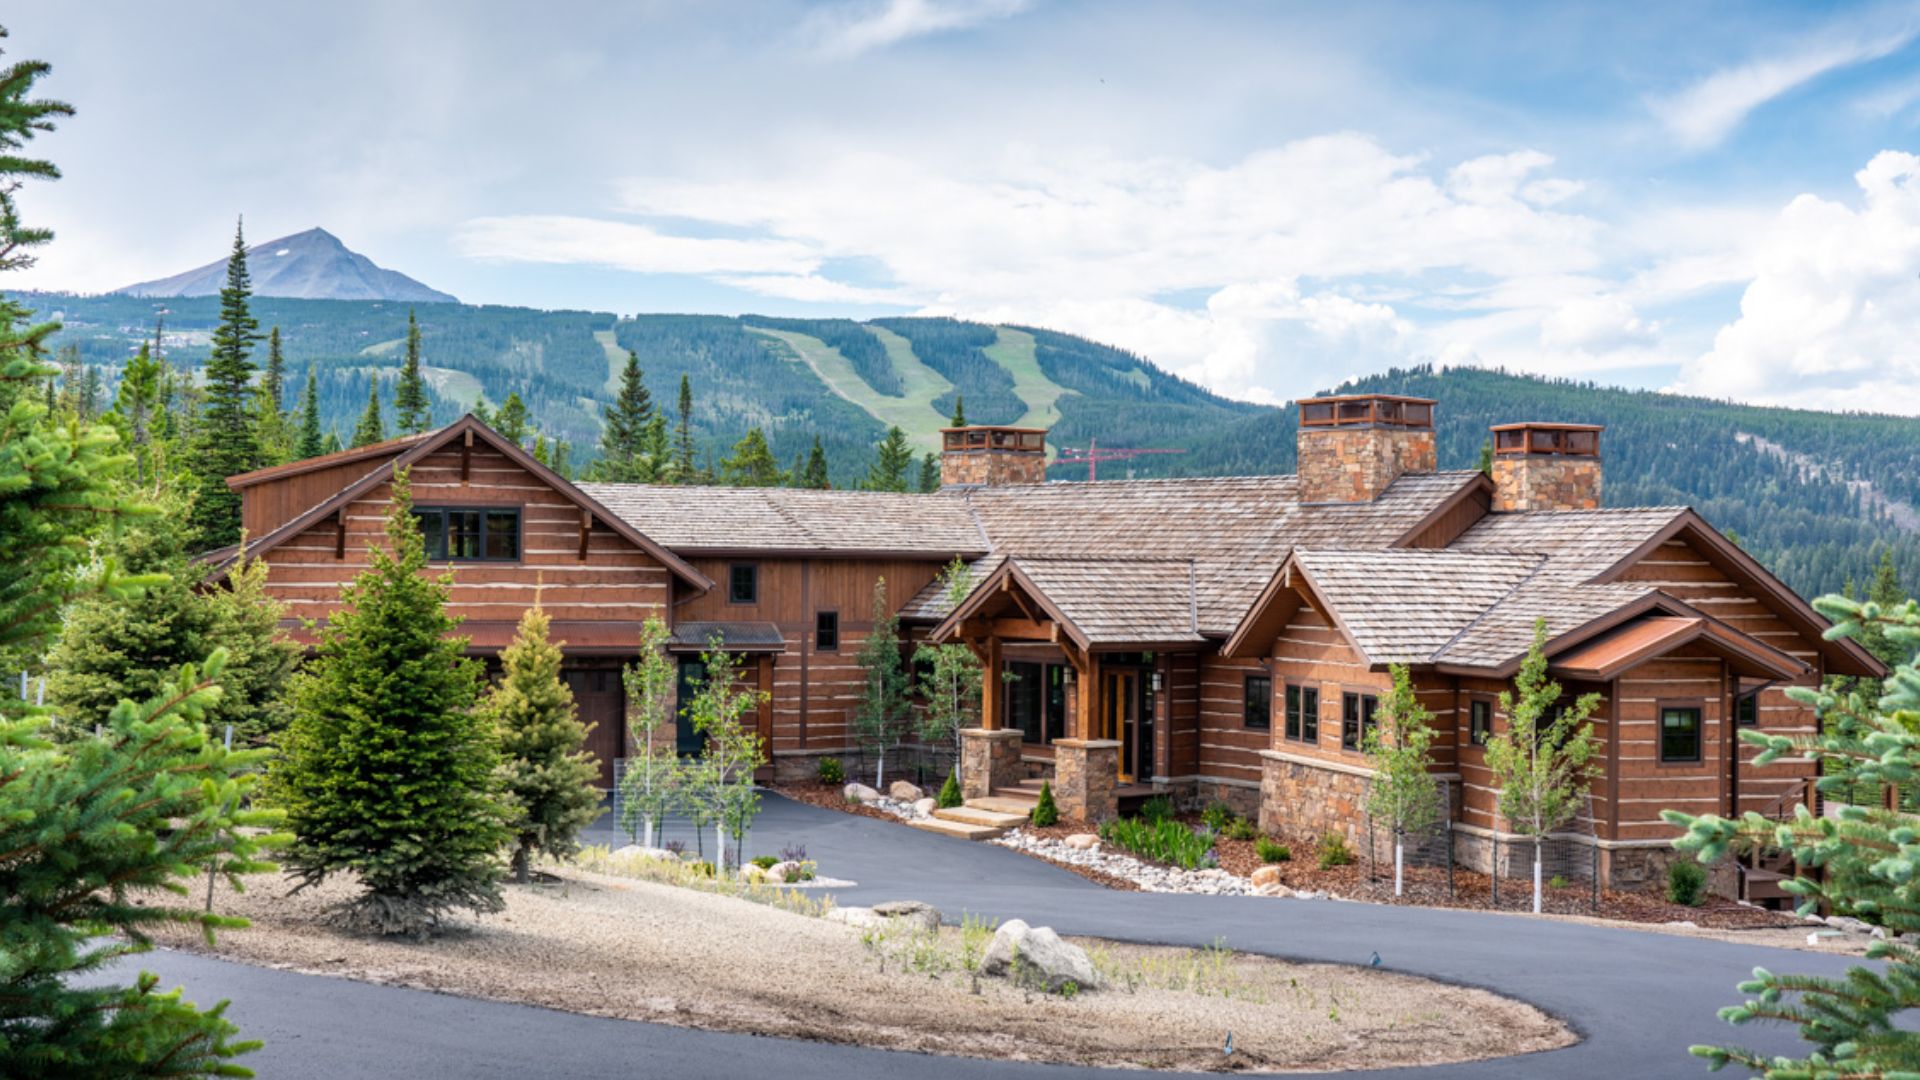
(1352, 446)
(986, 455)
(1546, 467)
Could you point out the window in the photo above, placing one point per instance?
(1259, 703)
(1746, 710)
(1303, 713)
(743, 583)
(826, 631)
(1026, 699)
(1356, 716)
(460, 534)
(1479, 721)
(1680, 734)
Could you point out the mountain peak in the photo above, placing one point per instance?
(309, 265)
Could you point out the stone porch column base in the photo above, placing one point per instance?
(1085, 773)
(989, 759)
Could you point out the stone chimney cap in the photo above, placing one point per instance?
(1560, 440)
(1358, 410)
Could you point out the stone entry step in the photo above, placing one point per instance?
(980, 815)
(1004, 804)
(960, 829)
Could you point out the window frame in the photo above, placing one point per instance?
(1357, 711)
(1746, 709)
(822, 633)
(1265, 701)
(1477, 732)
(442, 512)
(733, 570)
(1698, 709)
(1303, 713)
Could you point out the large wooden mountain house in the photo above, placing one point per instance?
(1218, 638)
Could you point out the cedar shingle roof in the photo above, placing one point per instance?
(1406, 606)
(696, 520)
(1119, 601)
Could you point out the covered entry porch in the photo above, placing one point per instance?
(1077, 658)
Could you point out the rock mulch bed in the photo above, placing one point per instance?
(636, 949)
(1110, 862)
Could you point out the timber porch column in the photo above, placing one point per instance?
(1086, 770)
(989, 754)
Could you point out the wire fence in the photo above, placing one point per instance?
(1444, 862)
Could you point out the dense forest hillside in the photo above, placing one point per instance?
(1815, 495)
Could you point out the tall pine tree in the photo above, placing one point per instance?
(751, 464)
(228, 443)
(684, 470)
(892, 464)
(623, 432)
(369, 430)
(511, 420)
(547, 776)
(929, 473)
(814, 474)
(387, 770)
(411, 410)
(310, 441)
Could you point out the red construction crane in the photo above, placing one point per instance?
(1092, 456)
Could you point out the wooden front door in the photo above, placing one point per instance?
(1121, 721)
(600, 704)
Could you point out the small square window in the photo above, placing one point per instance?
(1479, 721)
(1259, 703)
(826, 631)
(1746, 710)
(743, 584)
(1680, 734)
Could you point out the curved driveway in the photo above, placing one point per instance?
(1639, 999)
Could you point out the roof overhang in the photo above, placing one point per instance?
(733, 637)
(1290, 589)
(371, 452)
(1652, 603)
(1009, 603)
(1843, 656)
(1607, 656)
(467, 427)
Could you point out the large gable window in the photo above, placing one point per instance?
(470, 534)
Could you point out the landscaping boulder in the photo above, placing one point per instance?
(1038, 956)
(1085, 841)
(862, 917)
(911, 914)
(637, 851)
(902, 791)
(1266, 875)
(784, 872)
(925, 807)
(860, 793)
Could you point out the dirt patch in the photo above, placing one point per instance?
(632, 949)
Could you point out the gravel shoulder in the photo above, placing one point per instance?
(639, 950)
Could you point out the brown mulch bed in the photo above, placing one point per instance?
(1425, 887)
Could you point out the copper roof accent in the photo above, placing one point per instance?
(733, 636)
(1637, 642)
(368, 452)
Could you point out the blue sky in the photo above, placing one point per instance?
(1266, 197)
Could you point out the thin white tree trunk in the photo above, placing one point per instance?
(1398, 862)
(1536, 879)
(719, 850)
(646, 827)
(880, 773)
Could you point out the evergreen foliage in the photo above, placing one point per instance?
(271, 430)
(751, 464)
(1862, 861)
(626, 451)
(1046, 812)
(880, 715)
(412, 411)
(1543, 761)
(228, 442)
(950, 675)
(813, 475)
(959, 412)
(929, 474)
(309, 441)
(511, 420)
(135, 408)
(950, 794)
(370, 429)
(547, 775)
(684, 471)
(892, 463)
(389, 773)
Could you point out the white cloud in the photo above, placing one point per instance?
(1303, 253)
(846, 30)
(1829, 318)
(1707, 111)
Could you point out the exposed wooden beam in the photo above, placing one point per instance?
(990, 687)
(586, 531)
(340, 533)
(466, 457)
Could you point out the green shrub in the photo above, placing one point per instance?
(1217, 816)
(1271, 852)
(1158, 808)
(1334, 851)
(1686, 883)
(950, 796)
(830, 771)
(1045, 813)
(765, 862)
(1558, 881)
(1241, 829)
(1160, 841)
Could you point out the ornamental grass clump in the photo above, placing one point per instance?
(1866, 860)
(1161, 841)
